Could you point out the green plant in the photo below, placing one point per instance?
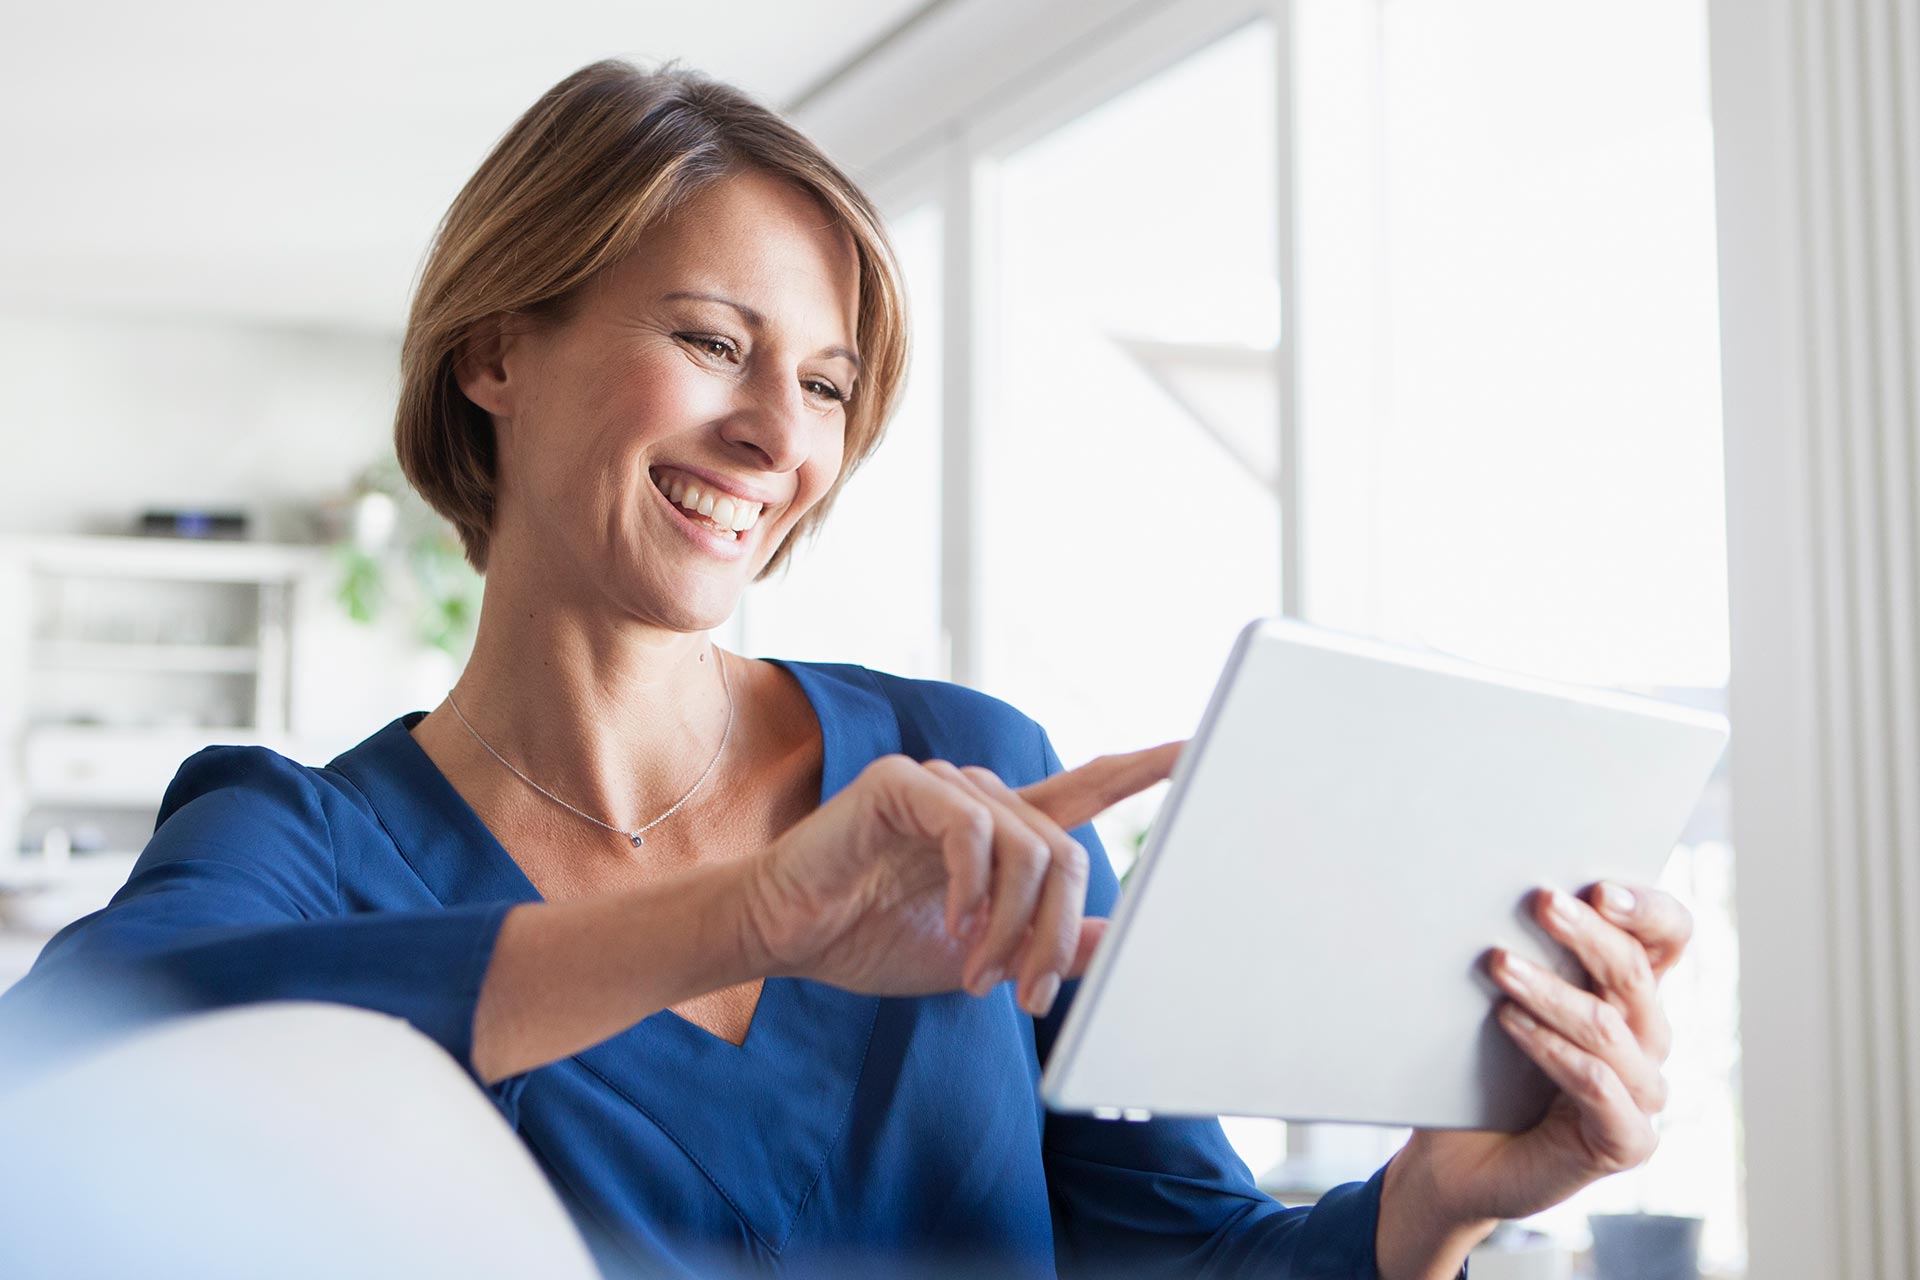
(394, 551)
(362, 582)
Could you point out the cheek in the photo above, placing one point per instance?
(823, 464)
(653, 387)
(620, 410)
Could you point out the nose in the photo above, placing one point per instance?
(772, 422)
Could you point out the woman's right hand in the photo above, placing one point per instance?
(921, 877)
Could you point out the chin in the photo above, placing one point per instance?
(685, 606)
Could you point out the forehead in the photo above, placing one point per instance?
(762, 240)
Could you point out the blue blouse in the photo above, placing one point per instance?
(848, 1134)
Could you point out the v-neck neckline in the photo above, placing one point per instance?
(505, 871)
(788, 1087)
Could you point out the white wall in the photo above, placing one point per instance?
(102, 417)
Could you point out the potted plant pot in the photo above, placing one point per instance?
(1645, 1246)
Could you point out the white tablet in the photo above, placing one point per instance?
(1350, 830)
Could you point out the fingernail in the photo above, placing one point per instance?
(1040, 997)
(1616, 899)
(1519, 1018)
(988, 981)
(1561, 906)
(1521, 971)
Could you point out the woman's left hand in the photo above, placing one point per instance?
(1604, 1048)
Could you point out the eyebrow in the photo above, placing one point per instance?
(757, 320)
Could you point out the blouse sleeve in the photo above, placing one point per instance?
(235, 900)
(1170, 1197)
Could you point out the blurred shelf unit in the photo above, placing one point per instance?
(119, 658)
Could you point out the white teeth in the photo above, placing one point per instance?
(733, 515)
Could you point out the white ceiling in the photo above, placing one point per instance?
(288, 163)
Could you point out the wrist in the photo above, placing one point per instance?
(753, 920)
(1419, 1237)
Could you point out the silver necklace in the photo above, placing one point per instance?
(635, 834)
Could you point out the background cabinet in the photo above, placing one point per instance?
(119, 658)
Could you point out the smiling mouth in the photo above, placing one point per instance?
(729, 517)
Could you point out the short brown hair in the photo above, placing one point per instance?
(603, 156)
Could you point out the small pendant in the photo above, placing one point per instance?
(637, 841)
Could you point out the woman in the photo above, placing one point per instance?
(761, 958)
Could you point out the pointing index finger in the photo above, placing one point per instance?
(1075, 796)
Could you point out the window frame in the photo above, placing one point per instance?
(956, 166)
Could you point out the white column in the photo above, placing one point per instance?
(1817, 130)
(969, 295)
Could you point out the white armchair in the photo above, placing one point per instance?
(290, 1139)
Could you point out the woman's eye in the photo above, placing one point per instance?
(709, 344)
(827, 389)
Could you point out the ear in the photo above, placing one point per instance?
(480, 369)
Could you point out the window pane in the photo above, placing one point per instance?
(1128, 527)
(885, 525)
(1554, 490)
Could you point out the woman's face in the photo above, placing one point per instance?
(711, 365)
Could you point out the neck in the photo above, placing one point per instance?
(619, 719)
